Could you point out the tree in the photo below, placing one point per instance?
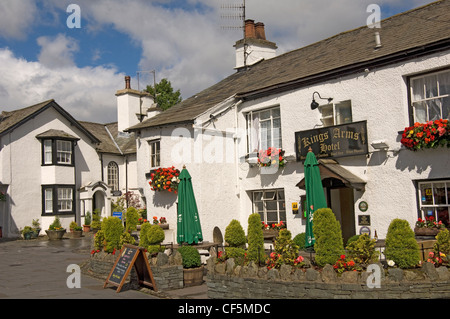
(165, 95)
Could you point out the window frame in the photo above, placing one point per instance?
(55, 201)
(249, 119)
(54, 152)
(155, 154)
(331, 119)
(423, 210)
(411, 101)
(113, 183)
(264, 200)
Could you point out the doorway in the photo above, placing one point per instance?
(340, 199)
(99, 202)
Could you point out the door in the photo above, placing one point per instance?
(341, 202)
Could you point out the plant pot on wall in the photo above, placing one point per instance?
(424, 231)
(86, 228)
(55, 234)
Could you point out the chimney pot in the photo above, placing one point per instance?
(127, 82)
(250, 28)
(259, 31)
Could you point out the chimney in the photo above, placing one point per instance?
(255, 45)
(127, 82)
(250, 29)
(259, 31)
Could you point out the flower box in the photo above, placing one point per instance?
(427, 135)
(165, 179)
(424, 231)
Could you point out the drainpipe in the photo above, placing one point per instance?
(126, 177)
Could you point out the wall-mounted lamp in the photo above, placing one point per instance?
(315, 105)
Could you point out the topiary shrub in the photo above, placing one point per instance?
(234, 234)
(401, 245)
(362, 250)
(442, 242)
(151, 236)
(286, 247)
(112, 228)
(190, 256)
(352, 239)
(255, 239)
(237, 253)
(300, 240)
(126, 238)
(327, 231)
(99, 240)
(132, 218)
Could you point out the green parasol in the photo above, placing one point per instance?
(188, 222)
(315, 197)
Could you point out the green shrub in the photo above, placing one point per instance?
(113, 229)
(99, 240)
(327, 231)
(401, 245)
(234, 234)
(73, 224)
(237, 253)
(352, 239)
(132, 218)
(96, 224)
(151, 235)
(286, 247)
(190, 256)
(87, 218)
(443, 242)
(300, 240)
(362, 250)
(56, 224)
(255, 239)
(126, 238)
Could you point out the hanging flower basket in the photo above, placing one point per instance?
(271, 156)
(165, 179)
(428, 135)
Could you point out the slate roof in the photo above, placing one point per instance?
(404, 36)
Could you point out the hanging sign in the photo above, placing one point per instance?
(333, 141)
(131, 256)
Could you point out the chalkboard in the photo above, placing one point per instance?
(131, 255)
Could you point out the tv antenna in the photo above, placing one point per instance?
(236, 12)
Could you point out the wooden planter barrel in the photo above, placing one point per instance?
(424, 231)
(193, 276)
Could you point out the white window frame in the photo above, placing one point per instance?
(65, 199)
(270, 201)
(434, 207)
(333, 114)
(155, 153)
(48, 200)
(63, 152)
(48, 152)
(113, 175)
(428, 98)
(255, 139)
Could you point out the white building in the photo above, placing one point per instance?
(373, 77)
(52, 164)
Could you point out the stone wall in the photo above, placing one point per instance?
(225, 280)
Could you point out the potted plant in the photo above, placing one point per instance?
(87, 222)
(192, 266)
(55, 230)
(77, 231)
(96, 224)
(428, 227)
(27, 232)
(72, 226)
(36, 228)
(163, 223)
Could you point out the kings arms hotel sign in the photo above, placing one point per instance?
(333, 141)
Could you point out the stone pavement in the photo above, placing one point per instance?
(37, 269)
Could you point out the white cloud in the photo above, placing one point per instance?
(16, 18)
(86, 93)
(57, 52)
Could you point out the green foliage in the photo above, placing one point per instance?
(87, 218)
(362, 250)
(401, 245)
(96, 224)
(132, 218)
(151, 235)
(154, 249)
(237, 253)
(165, 96)
(234, 234)
(56, 224)
(352, 239)
(126, 238)
(327, 231)
(27, 230)
(99, 240)
(300, 240)
(442, 242)
(286, 247)
(190, 256)
(113, 229)
(255, 239)
(73, 224)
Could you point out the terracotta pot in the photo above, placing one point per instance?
(86, 228)
(77, 233)
(193, 276)
(55, 234)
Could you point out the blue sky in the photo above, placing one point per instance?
(41, 58)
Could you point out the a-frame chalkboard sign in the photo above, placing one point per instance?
(131, 255)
